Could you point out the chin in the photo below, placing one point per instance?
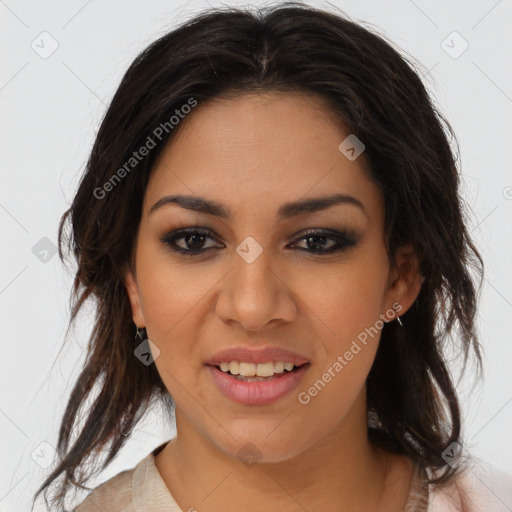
(260, 449)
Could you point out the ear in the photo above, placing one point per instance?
(132, 289)
(404, 282)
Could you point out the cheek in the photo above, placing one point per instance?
(170, 292)
(172, 302)
(175, 307)
(347, 303)
(338, 378)
(346, 300)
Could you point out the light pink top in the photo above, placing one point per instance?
(483, 488)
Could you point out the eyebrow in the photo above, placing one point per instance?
(286, 211)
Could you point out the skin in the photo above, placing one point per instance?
(254, 153)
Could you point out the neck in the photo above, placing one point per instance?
(343, 468)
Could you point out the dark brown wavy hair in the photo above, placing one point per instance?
(412, 154)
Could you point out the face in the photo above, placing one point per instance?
(258, 279)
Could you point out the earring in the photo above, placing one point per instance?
(399, 321)
(140, 334)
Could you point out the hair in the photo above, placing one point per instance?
(376, 93)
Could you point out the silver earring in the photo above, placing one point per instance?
(140, 334)
(399, 321)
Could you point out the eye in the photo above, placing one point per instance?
(317, 240)
(191, 241)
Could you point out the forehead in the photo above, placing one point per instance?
(260, 149)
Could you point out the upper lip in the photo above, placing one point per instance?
(261, 355)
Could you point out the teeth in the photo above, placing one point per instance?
(264, 369)
(279, 367)
(247, 369)
(259, 370)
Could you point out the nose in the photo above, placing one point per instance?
(256, 295)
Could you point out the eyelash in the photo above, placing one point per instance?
(345, 239)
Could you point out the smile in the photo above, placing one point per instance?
(256, 370)
(257, 384)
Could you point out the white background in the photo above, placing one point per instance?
(50, 110)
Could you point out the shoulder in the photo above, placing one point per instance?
(113, 495)
(480, 487)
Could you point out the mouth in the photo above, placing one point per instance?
(250, 384)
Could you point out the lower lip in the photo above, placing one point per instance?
(257, 393)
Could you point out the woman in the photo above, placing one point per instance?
(271, 209)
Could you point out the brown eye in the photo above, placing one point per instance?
(193, 241)
(319, 241)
